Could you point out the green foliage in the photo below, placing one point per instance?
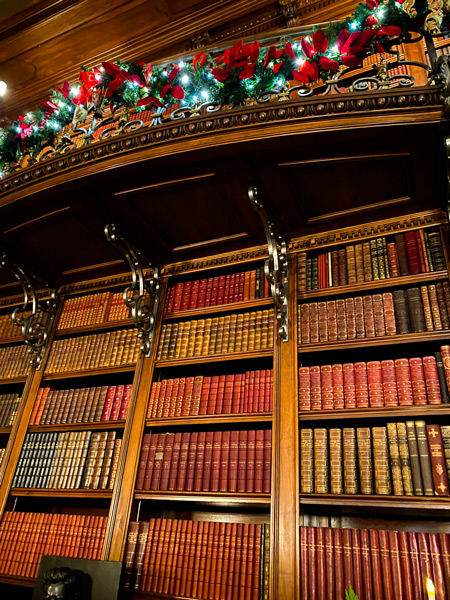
(350, 594)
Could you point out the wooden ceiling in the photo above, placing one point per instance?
(44, 42)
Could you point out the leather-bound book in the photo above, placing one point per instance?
(315, 273)
(444, 543)
(350, 465)
(351, 264)
(381, 461)
(365, 459)
(434, 305)
(359, 263)
(321, 461)
(312, 565)
(342, 260)
(413, 252)
(437, 457)
(420, 237)
(446, 288)
(304, 324)
(366, 565)
(415, 308)
(386, 568)
(250, 461)
(336, 483)
(357, 562)
(348, 371)
(394, 551)
(306, 461)
(304, 389)
(389, 313)
(207, 464)
(426, 568)
(369, 317)
(402, 254)
(445, 434)
(416, 575)
(405, 566)
(367, 262)
(359, 317)
(267, 471)
(339, 563)
(405, 459)
(437, 565)
(304, 562)
(424, 457)
(316, 387)
(332, 321)
(394, 266)
(326, 384)
(418, 381)
(314, 322)
(374, 259)
(361, 384)
(166, 462)
(436, 250)
(329, 564)
(404, 384)
(341, 321)
(139, 556)
(427, 309)
(378, 315)
(338, 386)
(389, 382)
(320, 562)
(442, 305)
(432, 380)
(130, 551)
(414, 459)
(350, 318)
(347, 555)
(402, 319)
(375, 383)
(323, 321)
(383, 264)
(394, 456)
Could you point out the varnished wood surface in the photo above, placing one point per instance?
(177, 362)
(232, 306)
(125, 323)
(263, 417)
(219, 498)
(404, 412)
(359, 288)
(5, 430)
(373, 501)
(11, 341)
(15, 580)
(13, 380)
(94, 426)
(88, 373)
(61, 493)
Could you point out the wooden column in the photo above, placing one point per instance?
(416, 52)
(285, 463)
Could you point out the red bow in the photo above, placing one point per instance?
(176, 90)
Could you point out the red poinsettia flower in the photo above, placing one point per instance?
(371, 21)
(26, 129)
(240, 56)
(49, 108)
(307, 71)
(150, 100)
(372, 4)
(148, 73)
(176, 90)
(199, 60)
(319, 44)
(328, 64)
(65, 90)
(272, 54)
(120, 77)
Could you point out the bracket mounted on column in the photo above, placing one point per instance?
(35, 317)
(276, 266)
(142, 296)
(447, 147)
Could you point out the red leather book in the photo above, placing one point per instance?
(207, 464)
(216, 583)
(226, 589)
(394, 266)
(329, 565)
(248, 404)
(259, 461)
(404, 385)
(304, 324)
(200, 559)
(228, 394)
(256, 396)
(170, 299)
(225, 476)
(444, 543)
(304, 562)
(323, 322)
(183, 564)
(174, 463)
(316, 388)
(347, 555)
(350, 315)
(202, 288)
(348, 370)
(242, 462)
(199, 461)
(183, 461)
(263, 391)
(178, 296)
(375, 383)
(405, 566)
(312, 565)
(339, 563)
(196, 392)
(377, 576)
(250, 462)
(148, 549)
(107, 408)
(167, 398)
(361, 384)
(237, 400)
(187, 288)
(214, 388)
(437, 566)
(390, 396)
(233, 462)
(269, 396)
(321, 585)
(150, 461)
(237, 563)
(386, 568)
(313, 323)
(167, 461)
(125, 402)
(191, 462)
(143, 461)
(394, 551)
(445, 353)
(172, 556)
(369, 318)
(338, 386)
(326, 384)
(389, 314)
(432, 380)
(267, 470)
(357, 562)
(244, 560)
(215, 461)
(418, 381)
(193, 298)
(117, 401)
(378, 315)
(161, 396)
(193, 553)
(210, 282)
(413, 252)
(139, 555)
(438, 466)
(420, 238)
(204, 397)
(366, 565)
(426, 569)
(220, 395)
(153, 401)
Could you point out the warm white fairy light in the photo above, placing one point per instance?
(3, 87)
(185, 79)
(204, 94)
(431, 592)
(75, 91)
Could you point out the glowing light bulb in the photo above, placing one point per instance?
(195, 98)
(3, 87)
(353, 25)
(279, 82)
(29, 116)
(300, 61)
(431, 590)
(181, 64)
(185, 79)
(204, 94)
(75, 91)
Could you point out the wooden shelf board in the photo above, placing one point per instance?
(94, 327)
(58, 493)
(387, 340)
(88, 373)
(361, 501)
(5, 429)
(407, 412)
(193, 360)
(265, 417)
(224, 498)
(11, 340)
(369, 285)
(232, 306)
(78, 426)
(16, 580)
(14, 380)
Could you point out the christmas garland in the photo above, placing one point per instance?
(242, 72)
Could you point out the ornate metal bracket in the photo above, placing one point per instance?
(276, 266)
(447, 148)
(141, 296)
(35, 317)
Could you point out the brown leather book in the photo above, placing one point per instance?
(381, 461)
(339, 562)
(402, 319)
(312, 565)
(347, 556)
(350, 318)
(402, 254)
(336, 483)
(329, 564)
(437, 565)
(365, 459)
(386, 569)
(426, 568)
(424, 457)
(366, 565)
(414, 458)
(394, 551)
(321, 483)
(320, 561)
(442, 380)
(427, 308)
(415, 308)
(139, 555)
(130, 551)
(369, 317)
(444, 543)
(437, 457)
(350, 465)
(394, 456)
(405, 459)
(306, 461)
(304, 562)
(357, 562)
(359, 317)
(405, 566)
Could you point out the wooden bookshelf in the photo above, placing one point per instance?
(232, 307)
(61, 493)
(358, 501)
(11, 341)
(223, 498)
(407, 412)
(97, 327)
(88, 373)
(263, 417)
(91, 425)
(178, 362)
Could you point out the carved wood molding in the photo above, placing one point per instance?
(231, 126)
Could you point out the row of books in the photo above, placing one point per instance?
(248, 392)
(216, 291)
(206, 461)
(376, 564)
(8, 329)
(69, 460)
(9, 403)
(376, 384)
(14, 362)
(81, 405)
(404, 311)
(111, 349)
(93, 309)
(210, 560)
(25, 537)
(218, 335)
(410, 253)
(406, 459)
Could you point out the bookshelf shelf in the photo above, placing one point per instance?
(5, 430)
(13, 380)
(97, 327)
(61, 493)
(222, 498)
(88, 373)
(358, 501)
(372, 285)
(91, 426)
(10, 341)
(211, 419)
(15, 580)
(408, 412)
(176, 362)
(387, 340)
(232, 306)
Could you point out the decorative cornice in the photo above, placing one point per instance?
(233, 125)
(219, 260)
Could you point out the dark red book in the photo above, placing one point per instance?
(312, 565)
(233, 462)
(107, 408)
(366, 565)
(191, 463)
(394, 551)
(357, 562)
(437, 457)
(215, 461)
(150, 461)
(416, 575)
(347, 556)
(206, 479)
(242, 462)
(405, 566)
(402, 254)
(172, 482)
(386, 565)
(375, 556)
(413, 252)
(339, 563)
(117, 402)
(167, 461)
(304, 562)
(125, 402)
(267, 467)
(320, 562)
(424, 559)
(251, 456)
(444, 542)
(437, 566)
(220, 395)
(158, 461)
(139, 556)
(228, 394)
(329, 564)
(143, 461)
(183, 461)
(199, 460)
(130, 551)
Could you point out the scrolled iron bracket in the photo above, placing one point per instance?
(35, 317)
(142, 296)
(276, 266)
